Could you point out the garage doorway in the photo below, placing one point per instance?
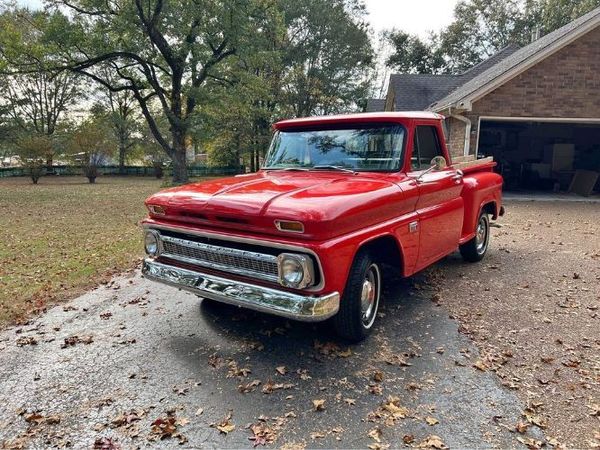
(541, 155)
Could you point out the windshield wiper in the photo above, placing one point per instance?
(331, 167)
(288, 169)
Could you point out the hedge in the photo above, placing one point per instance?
(143, 171)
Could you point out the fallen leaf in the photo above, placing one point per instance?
(261, 434)
(480, 365)
(431, 421)
(26, 340)
(34, 418)
(105, 443)
(378, 376)
(531, 443)
(350, 401)
(248, 387)
(375, 434)
(319, 405)
(199, 411)
(225, 426)
(408, 439)
(393, 407)
(74, 340)
(521, 427)
(281, 370)
(433, 442)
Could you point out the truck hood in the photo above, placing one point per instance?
(327, 203)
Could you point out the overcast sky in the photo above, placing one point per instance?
(415, 16)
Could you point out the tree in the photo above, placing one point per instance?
(328, 56)
(91, 145)
(33, 151)
(37, 98)
(549, 15)
(119, 109)
(412, 55)
(479, 30)
(162, 52)
(308, 63)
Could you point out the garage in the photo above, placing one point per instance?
(557, 155)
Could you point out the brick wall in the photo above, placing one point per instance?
(566, 84)
(456, 136)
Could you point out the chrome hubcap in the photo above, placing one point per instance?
(481, 237)
(369, 298)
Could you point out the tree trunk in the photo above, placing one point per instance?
(122, 150)
(180, 175)
(252, 160)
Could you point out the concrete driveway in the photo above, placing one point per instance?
(137, 364)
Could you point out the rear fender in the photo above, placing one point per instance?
(482, 191)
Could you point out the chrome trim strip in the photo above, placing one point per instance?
(246, 241)
(261, 257)
(258, 298)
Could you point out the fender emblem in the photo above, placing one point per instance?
(413, 227)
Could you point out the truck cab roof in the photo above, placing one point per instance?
(357, 118)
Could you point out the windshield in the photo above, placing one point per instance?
(368, 148)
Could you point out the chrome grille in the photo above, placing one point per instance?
(241, 262)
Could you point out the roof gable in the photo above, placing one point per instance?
(518, 62)
(419, 91)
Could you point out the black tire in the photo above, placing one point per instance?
(355, 320)
(475, 250)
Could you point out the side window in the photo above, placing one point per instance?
(426, 147)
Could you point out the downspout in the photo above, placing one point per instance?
(468, 126)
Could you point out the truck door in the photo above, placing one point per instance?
(440, 205)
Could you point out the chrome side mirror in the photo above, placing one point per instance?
(437, 163)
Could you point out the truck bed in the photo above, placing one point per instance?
(470, 164)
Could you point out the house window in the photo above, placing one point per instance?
(426, 146)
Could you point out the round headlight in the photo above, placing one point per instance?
(151, 243)
(292, 272)
(295, 271)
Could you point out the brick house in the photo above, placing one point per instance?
(535, 109)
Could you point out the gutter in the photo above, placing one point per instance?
(468, 126)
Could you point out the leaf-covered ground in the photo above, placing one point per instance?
(64, 236)
(533, 309)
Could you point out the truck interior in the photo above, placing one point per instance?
(544, 156)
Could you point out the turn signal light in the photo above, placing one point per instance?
(289, 226)
(158, 210)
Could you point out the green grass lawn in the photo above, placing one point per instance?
(64, 236)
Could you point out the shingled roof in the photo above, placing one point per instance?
(413, 92)
(517, 62)
(375, 105)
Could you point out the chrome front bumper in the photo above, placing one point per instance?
(272, 301)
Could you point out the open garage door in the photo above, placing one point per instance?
(543, 155)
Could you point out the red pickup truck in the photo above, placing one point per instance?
(338, 199)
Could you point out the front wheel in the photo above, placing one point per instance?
(360, 303)
(476, 248)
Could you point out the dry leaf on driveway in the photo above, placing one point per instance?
(319, 404)
(224, 426)
(431, 420)
(261, 434)
(433, 442)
